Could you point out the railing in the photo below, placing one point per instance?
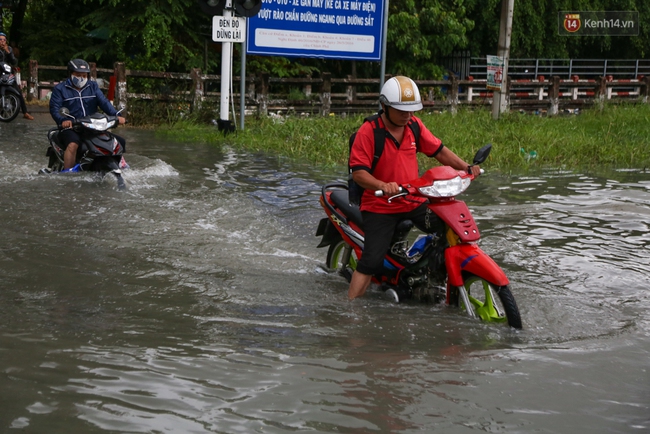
(530, 69)
(346, 95)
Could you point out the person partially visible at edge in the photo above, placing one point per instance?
(82, 97)
(7, 56)
(398, 164)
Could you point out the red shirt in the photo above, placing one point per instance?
(397, 164)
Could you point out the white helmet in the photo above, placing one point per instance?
(402, 94)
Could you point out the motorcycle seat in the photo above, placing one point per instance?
(340, 199)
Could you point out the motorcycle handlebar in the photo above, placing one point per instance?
(77, 122)
(380, 193)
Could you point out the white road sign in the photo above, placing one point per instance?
(228, 29)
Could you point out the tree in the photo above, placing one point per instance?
(535, 34)
(420, 31)
(19, 9)
(172, 35)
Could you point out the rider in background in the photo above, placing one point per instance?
(398, 164)
(7, 56)
(82, 97)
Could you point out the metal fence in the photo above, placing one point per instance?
(326, 94)
(530, 69)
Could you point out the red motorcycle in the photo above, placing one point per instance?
(445, 266)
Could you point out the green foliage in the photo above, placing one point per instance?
(174, 35)
(613, 137)
(159, 35)
(419, 32)
(535, 34)
(147, 35)
(61, 39)
(278, 66)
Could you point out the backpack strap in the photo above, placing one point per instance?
(380, 141)
(415, 127)
(380, 137)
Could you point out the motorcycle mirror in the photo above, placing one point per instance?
(63, 111)
(482, 154)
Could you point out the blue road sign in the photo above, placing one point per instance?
(335, 29)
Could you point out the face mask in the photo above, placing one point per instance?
(79, 82)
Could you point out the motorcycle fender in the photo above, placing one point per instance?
(103, 141)
(328, 232)
(5, 89)
(470, 258)
(458, 217)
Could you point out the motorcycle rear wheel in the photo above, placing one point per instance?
(9, 107)
(336, 256)
(491, 303)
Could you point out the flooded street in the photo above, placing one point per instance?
(196, 302)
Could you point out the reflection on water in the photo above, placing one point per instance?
(582, 242)
(195, 302)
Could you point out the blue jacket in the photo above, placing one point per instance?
(81, 102)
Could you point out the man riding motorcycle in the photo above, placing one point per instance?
(82, 97)
(399, 97)
(7, 55)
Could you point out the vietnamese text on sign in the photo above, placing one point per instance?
(228, 29)
(298, 27)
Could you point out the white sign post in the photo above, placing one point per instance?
(227, 29)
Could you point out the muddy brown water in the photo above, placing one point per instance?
(196, 302)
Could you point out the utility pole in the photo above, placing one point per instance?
(499, 103)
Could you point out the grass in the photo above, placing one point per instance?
(615, 137)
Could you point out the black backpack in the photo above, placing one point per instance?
(355, 191)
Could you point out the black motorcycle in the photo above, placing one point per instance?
(99, 150)
(9, 96)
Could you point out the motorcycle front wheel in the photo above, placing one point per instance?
(9, 107)
(341, 257)
(491, 303)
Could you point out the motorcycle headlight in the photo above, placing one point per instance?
(447, 188)
(6, 67)
(98, 124)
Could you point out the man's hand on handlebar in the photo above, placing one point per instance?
(474, 169)
(66, 124)
(389, 188)
(121, 120)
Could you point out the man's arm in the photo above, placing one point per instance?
(447, 157)
(369, 182)
(56, 102)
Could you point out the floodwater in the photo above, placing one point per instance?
(196, 302)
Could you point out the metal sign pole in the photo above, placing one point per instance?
(226, 54)
(382, 75)
(242, 86)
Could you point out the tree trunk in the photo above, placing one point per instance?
(17, 22)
